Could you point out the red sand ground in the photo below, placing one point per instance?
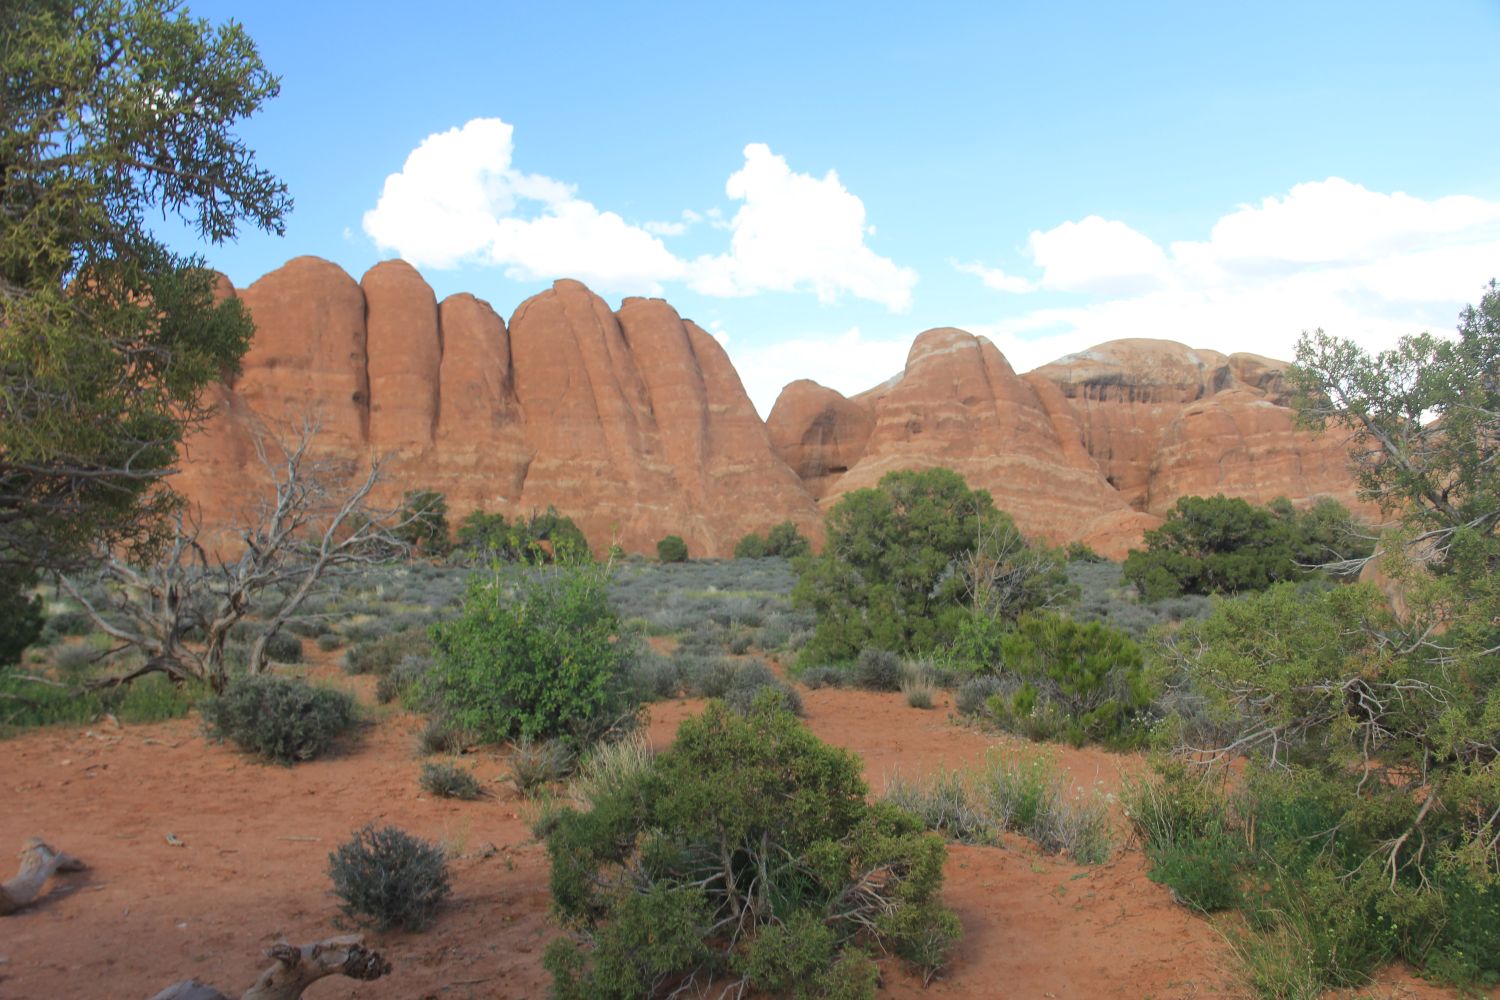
(255, 840)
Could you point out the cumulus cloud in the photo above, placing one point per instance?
(849, 362)
(458, 199)
(1359, 263)
(795, 231)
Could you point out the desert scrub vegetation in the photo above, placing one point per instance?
(532, 657)
(1362, 823)
(279, 719)
(746, 854)
(385, 877)
(1048, 677)
(1020, 794)
(449, 781)
(745, 602)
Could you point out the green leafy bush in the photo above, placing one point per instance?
(752, 546)
(747, 815)
(532, 660)
(783, 541)
(671, 549)
(1225, 545)
(279, 719)
(538, 539)
(388, 878)
(904, 562)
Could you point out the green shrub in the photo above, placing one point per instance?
(671, 549)
(536, 662)
(904, 562)
(1225, 545)
(329, 641)
(752, 546)
(1079, 682)
(388, 878)
(450, 781)
(279, 719)
(747, 815)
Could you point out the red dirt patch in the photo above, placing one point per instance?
(256, 839)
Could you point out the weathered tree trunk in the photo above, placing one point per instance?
(38, 863)
(294, 969)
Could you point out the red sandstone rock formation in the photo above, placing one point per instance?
(818, 432)
(1164, 421)
(636, 425)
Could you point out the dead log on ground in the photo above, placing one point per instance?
(38, 863)
(294, 969)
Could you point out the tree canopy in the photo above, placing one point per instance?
(113, 111)
(905, 562)
(1226, 545)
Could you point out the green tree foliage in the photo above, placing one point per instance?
(1061, 679)
(422, 524)
(532, 659)
(1225, 545)
(21, 613)
(538, 539)
(906, 562)
(112, 111)
(747, 851)
(671, 549)
(783, 540)
(1371, 818)
(752, 546)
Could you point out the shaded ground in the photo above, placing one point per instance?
(255, 841)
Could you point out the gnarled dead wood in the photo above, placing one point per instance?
(294, 969)
(38, 863)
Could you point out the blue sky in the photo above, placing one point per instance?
(818, 183)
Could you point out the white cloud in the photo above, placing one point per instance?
(1097, 255)
(997, 279)
(458, 199)
(796, 231)
(665, 228)
(849, 362)
(1359, 263)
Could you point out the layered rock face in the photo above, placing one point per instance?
(1095, 447)
(1165, 421)
(635, 424)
